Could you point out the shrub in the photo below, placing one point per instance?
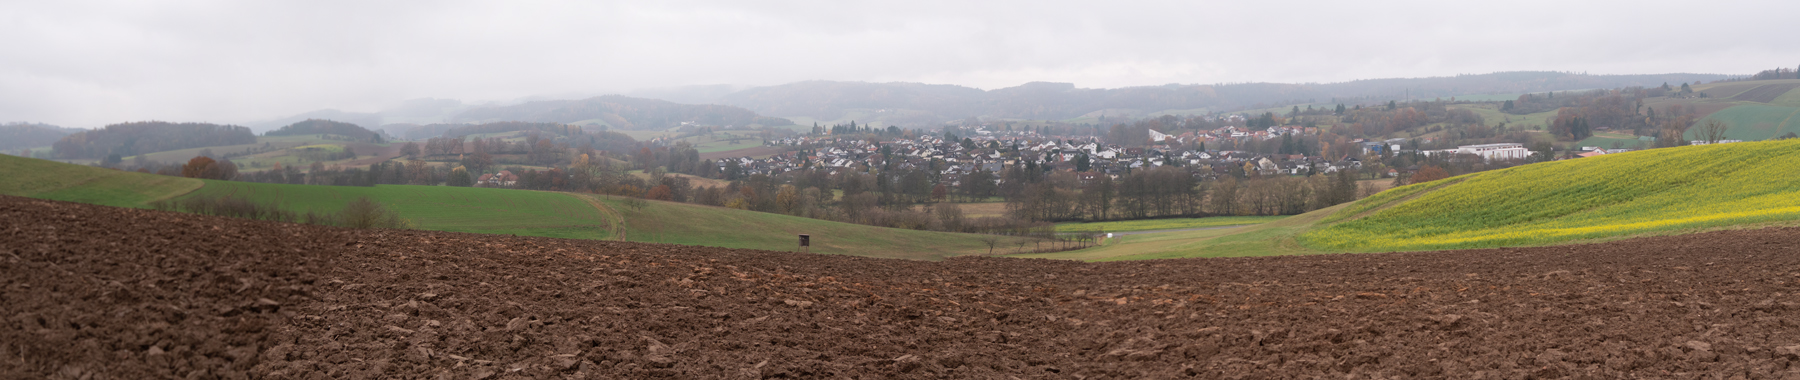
(359, 213)
(365, 213)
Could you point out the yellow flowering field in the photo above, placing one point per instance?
(1590, 198)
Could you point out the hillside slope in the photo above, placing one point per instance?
(690, 224)
(505, 211)
(1606, 197)
(622, 113)
(1642, 193)
(44, 179)
(1753, 110)
(923, 105)
(101, 293)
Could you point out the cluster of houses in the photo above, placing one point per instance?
(502, 179)
(995, 152)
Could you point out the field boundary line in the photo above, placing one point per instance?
(1783, 125)
(180, 194)
(1400, 200)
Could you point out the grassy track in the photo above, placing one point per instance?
(1166, 224)
(76, 183)
(1599, 198)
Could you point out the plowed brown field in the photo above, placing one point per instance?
(99, 292)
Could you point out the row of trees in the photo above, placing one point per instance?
(130, 139)
(1172, 192)
(1777, 73)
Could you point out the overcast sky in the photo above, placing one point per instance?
(86, 64)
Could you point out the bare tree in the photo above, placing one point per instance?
(1713, 131)
(991, 241)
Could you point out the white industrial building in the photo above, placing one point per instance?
(1490, 152)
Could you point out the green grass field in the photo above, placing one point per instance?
(1272, 238)
(682, 223)
(278, 142)
(1659, 191)
(44, 179)
(1790, 99)
(1166, 224)
(1752, 122)
(721, 141)
(1490, 114)
(504, 211)
(441, 208)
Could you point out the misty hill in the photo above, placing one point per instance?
(317, 126)
(620, 112)
(416, 111)
(18, 135)
(357, 118)
(129, 139)
(419, 132)
(698, 94)
(916, 104)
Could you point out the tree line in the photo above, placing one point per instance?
(130, 139)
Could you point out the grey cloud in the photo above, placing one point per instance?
(86, 64)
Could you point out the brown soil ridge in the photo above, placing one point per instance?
(100, 292)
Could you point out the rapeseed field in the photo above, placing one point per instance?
(1626, 194)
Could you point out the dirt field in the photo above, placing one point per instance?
(1766, 93)
(98, 292)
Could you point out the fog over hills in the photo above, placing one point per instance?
(826, 100)
(920, 105)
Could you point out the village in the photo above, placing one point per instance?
(1088, 156)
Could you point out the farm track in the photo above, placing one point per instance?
(101, 292)
(613, 217)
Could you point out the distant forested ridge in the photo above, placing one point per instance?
(621, 112)
(28, 135)
(570, 135)
(317, 126)
(420, 132)
(511, 126)
(923, 104)
(130, 139)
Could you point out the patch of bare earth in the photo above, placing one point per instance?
(98, 292)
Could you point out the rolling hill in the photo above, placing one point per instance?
(505, 211)
(14, 136)
(620, 112)
(923, 105)
(76, 183)
(1754, 110)
(1597, 199)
